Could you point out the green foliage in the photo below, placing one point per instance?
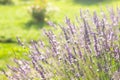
(38, 10)
(38, 13)
(42, 10)
(5, 1)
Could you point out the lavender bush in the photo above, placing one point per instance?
(87, 49)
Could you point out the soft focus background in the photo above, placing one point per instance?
(27, 18)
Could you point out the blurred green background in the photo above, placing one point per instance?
(16, 21)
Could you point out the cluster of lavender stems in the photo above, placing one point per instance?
(88, 49)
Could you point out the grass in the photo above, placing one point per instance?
(15, 21)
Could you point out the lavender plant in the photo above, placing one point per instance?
(88, 49)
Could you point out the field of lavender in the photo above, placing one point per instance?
(83, 47)
(88, 49)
